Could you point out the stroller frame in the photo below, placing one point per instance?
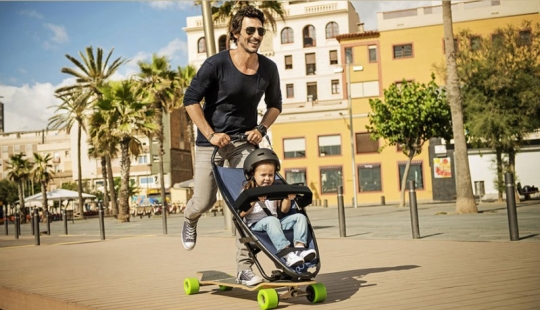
(258, 241)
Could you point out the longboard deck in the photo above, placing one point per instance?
(214, 277)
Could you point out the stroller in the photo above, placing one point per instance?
(230, 183)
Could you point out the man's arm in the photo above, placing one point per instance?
(197, 116)
(254, 135)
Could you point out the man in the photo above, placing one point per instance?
(232, 84)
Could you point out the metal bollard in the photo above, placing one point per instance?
(325, 203)
(341, 212)
(36, 227)
(414, 210)
(64, 217)
(383, 201)
(101, 223)
(6, 221)
(48, 217)
(164, 210)
(17, 225)
(33, 225)
(511, 206)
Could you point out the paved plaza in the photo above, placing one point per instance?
(460, 262)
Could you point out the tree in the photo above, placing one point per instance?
(8, 192)
(43, 173)
(184, 76)
(70, 112)
(500, 78)
(19, 172)
(90, 74)
(412, 114)
(227, 9)
(158, 82)
(465, 202)
(126, 114)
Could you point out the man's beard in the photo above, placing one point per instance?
(250, 50)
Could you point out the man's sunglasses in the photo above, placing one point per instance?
(251, 30)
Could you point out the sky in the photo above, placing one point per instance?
(35, 36)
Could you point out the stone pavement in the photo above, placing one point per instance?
(461, 262)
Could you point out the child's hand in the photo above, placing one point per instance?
(291, 196)
(262, 198)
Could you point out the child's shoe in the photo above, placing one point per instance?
(307, 255)
(293, 259)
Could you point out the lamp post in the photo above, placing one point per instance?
(351, 129)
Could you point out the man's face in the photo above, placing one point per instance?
(250, 42)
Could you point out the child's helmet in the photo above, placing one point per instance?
(257, 156)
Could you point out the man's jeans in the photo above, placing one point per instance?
(274, 228)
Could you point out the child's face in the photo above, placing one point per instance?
(264, 174)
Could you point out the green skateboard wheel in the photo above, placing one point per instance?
(191, 286)
(225, 288)
(268, 299)
(316, 293)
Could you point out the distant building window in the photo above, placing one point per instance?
(288, 62)
(142, 160)
(364, 144)
(144, 181)
(287, 35)
(333, 57)
(332, 30)
(400, 83)
(294, 148)
(415, 174)
(525, 38)
(311, 65)
(4, 148)
(331, 179)
(348, 55)
(403, 51)
(497, 40)
(335, 86)
(290, 90)
(311, 91)
(370, 177)
(295, 176)
(372, 53)
(29, 149)
(309, 36)
(201, 45)
(475, 42)
(16, 149)
(329, 145)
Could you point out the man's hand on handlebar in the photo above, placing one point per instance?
(220, 139)
(254, 136)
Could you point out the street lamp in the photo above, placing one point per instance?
(351, 130)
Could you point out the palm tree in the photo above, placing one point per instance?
(91, 74)
(226, 11)
(158, 83)
(19, 172)
(126, 115)
(184, 77)
(69, 113)
(465, 202)
(42, 172)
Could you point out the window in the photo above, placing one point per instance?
(364, 144)
(333, 57)
(4, 148)
(287, 35)
(311, 91)
(329, 145)
(525, 38)
(403, 51)
(222, 43)
(370, 178)
(295, 176)
(288, 62)
(415, 174)
(201, 45)
(29, 148)
(309, 36)
(335, 86)
(294, 148)
(145, 181)
(497, 40)
(332, 30)
(311, 66)
(399, 83)
(142, 159)
(290, 90)
(348, 55)
(330, 179)
(372, 49)
(155, 158)
(475, 42)
(16, 149)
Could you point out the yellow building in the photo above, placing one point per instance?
(314, 140)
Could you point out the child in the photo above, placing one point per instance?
(260, 168)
